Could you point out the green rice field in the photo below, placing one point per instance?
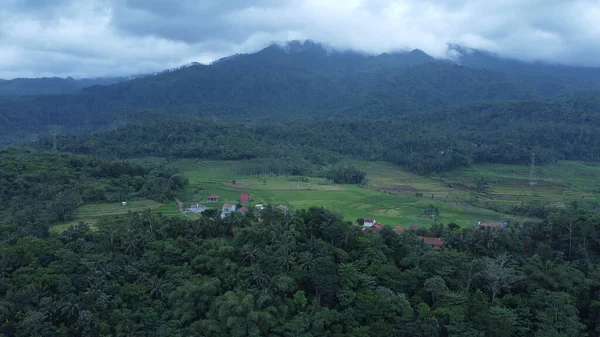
(392, 195)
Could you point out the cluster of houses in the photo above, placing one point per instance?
(370, 224)
(228, 209)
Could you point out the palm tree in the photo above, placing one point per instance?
(130, 244)
(70, 308)
(157, 288)
(287, 257)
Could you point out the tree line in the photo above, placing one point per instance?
(424, 143)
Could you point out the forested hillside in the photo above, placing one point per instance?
(426, 142)
(38, 189)
(295, 82)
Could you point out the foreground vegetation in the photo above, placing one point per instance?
(308, 274)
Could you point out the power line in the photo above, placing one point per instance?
(532, 170)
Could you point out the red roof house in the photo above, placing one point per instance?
(245, 198)
(213, 198)
(434, 243)
(399, 229)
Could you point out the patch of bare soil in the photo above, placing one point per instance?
(397, 188)
(540, 183)
(238, 185)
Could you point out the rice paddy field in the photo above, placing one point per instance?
(392, 195)
(395, 196)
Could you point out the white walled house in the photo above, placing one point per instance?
(369, 222)
(227, 209)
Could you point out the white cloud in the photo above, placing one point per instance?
(119, 37)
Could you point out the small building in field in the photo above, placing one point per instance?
(196, 208)
(124, 203)
(244, 198)
(227, 209)
(434, 243)
(212, 198)
(483, 225)
(369, 222)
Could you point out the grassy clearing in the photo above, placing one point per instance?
(90, 213)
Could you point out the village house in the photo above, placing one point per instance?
(212, 198)
(375, 228)
(195, 208)
(414, 228)
(282, 208)
(399, 229)
(227, 209)
(244, 210)
(259, 207)
(369, 222)
(434, 243)
(244, 198)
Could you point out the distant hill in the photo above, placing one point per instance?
(51, 85)
(298, 81)
(577, 77)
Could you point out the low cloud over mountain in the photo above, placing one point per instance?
(110, 37)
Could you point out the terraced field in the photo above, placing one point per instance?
(90, 213)
(556, 184)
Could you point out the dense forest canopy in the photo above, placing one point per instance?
(303, 274)
(427, 142)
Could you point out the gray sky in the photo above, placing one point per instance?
(83, 38)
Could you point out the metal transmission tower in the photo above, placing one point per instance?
(54, 147)
(532, 170)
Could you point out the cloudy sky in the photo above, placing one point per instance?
(83, 38)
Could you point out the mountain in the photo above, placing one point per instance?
(579, 77)
(51, 85)
(297, 81)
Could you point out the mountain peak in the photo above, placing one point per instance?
(302, 47)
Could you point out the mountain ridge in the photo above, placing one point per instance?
(295, 82)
